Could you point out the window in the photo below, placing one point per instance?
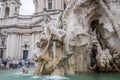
(65, 6)
(1, 53)
(7, 12)
(25, 54)
(3, 40)
(50, 4)
(16, 9)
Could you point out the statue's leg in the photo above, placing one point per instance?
(66, 67)
(67, 47)
(44, 57)
(55, 32)
(38, 68)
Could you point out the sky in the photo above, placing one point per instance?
(27, 7)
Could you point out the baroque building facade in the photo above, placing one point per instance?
(19, 32)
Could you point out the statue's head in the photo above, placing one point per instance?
(37, 44)
(43, 43)
(102, 60)
(46, 17)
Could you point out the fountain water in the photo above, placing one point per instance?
(17, 75)
(54, 54)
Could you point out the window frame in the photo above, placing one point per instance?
(50, 4)
(64, 6)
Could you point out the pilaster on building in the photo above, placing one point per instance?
(23, 30)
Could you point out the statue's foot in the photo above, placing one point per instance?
(64, 59)
(62, 37)
(69, 54)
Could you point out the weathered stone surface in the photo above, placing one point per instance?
(85, 17)
(83, 24)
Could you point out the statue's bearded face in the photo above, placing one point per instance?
(102, 61)
(117, 59)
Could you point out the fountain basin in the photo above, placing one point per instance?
(18, 75)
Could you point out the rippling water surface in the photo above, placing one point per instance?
(18, 75)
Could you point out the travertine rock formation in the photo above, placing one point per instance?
(83, 18)
(90, 30)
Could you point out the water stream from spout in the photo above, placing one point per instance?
(54, 56)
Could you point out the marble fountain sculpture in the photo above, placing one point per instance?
(89, 30)
(50, 53)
